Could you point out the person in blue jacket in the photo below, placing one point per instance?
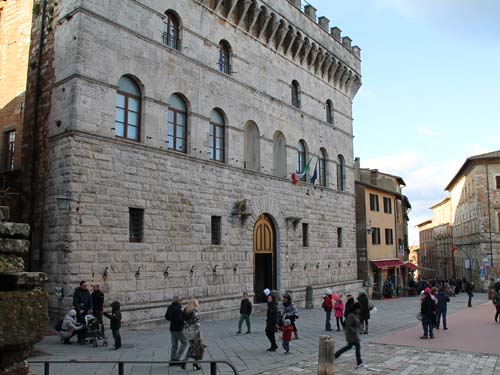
(442, 307)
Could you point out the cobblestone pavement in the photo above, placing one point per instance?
(248, 354)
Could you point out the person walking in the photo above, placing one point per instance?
(175, 317)
(328, 306)
(352, 331)
(192, 329)
(290, 312)
(339, 312)
(365, 311)
(82, 303)
(469, 288)
(98, 307)
(496, 301)
(271, 320)
(428, 310)
(115, 323)
(245, 311)
(286, 335)
(69, 327)
(442, 307)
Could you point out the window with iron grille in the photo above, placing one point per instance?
(305, 234)
(389, 240)
(374, 202)
(216, 230)
(387, 205)
(9, 148)
(375, 236)
(339, 237)
(136, 220)
(225, 57)
(171, 31)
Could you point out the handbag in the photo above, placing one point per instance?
(419, 316)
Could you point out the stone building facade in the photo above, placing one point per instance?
(168, 133)
(466, 225)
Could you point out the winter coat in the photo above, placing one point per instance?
(348, 305)
(175, 317)
(245, 307)
(339, 309)
(327, 303)
(352, 325)
(69, 325)
(289, 311)
(272, 317)
(287, 332)
(82, 300)
(97, 300)
(365, 311)
(192, 324)
(115, 318)
(496, 299)
(427, 306)
(443, 299)
(469, 288)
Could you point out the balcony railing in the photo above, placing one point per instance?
(172, 41)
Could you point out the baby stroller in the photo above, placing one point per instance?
(94, 331)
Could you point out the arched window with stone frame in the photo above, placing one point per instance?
(217, 135)
(225, 57)
(171, 31)
(252, 147)
(295, 94)
(279, 155)
(177, 124)
(329, 112)
(341, 173)
(128, 109)
(301, 158)
(322, 167)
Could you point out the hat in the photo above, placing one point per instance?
(287, 322)
(72, 312)
(267, 292)
(427, 290)
(328, 291)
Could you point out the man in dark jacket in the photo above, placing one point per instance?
(82, 302)
(98, 307)
(442, 307)
(365, 311)
(352, 330)
(469, 288)
(272, 320)
(175, 317)
(115, 323)
(428, 310)
(245, 311)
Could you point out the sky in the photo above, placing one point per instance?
(431, 88)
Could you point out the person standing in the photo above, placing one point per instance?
(328, 306)
(192, 328)
(271, 320)
(339, 312)
(469, 288)
(496, 301)
(349, 301)
(442, 307)
(245, 311)
(82, 303)
(286, 335)
(365, 311)
(175, 317)
(290, 312)
(352, 331)
(98, 307)
(115, 323)
(428, 310)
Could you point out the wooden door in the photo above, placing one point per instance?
(264, 257)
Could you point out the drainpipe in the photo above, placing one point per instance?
(34, 129)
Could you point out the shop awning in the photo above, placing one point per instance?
(412, 267)
(387, 263)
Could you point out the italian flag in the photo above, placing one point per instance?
(296, 177)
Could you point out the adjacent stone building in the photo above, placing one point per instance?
(382, 232)
(466, 224)
(167, 133)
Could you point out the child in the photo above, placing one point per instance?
(115, 319)
(245, 311)
(339, 312)
(352, 328)
(286, 336)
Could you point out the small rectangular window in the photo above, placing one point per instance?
(374, 202)
(305, 234)
(135, 220)
(9, 149)
(376, 236)
(339, 237)
(387, 205)
(388, 237)
(497, 180)
(216, 230)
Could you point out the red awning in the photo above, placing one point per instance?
(412, 267)
(387, 263)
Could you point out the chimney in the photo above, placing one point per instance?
(296, 3)
(346, 42)
(357, 51)
(336, 33)
(324, 23)
(310, 12)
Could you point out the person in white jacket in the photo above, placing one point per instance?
(69, 327)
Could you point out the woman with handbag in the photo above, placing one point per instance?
(365, 311)
(192, 328)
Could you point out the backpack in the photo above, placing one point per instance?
(58, 325)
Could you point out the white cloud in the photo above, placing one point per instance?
(423, 130)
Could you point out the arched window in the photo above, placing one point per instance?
(329, 111)
(171, 36)
(301, 158)
(225, 57)
(217, 136)
(322, 167)
(252, 147)
(295, 94)
(279, 155)
(340, 173)
(128, 110)
(177, 124)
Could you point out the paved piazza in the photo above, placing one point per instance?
(247, 352)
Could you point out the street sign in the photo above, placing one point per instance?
(467, 264)
(482, 273)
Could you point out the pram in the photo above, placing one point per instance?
(94, 331)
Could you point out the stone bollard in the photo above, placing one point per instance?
(326, 355)
(309, 297)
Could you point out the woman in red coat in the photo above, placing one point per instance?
(339, 312)
(328, 306)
